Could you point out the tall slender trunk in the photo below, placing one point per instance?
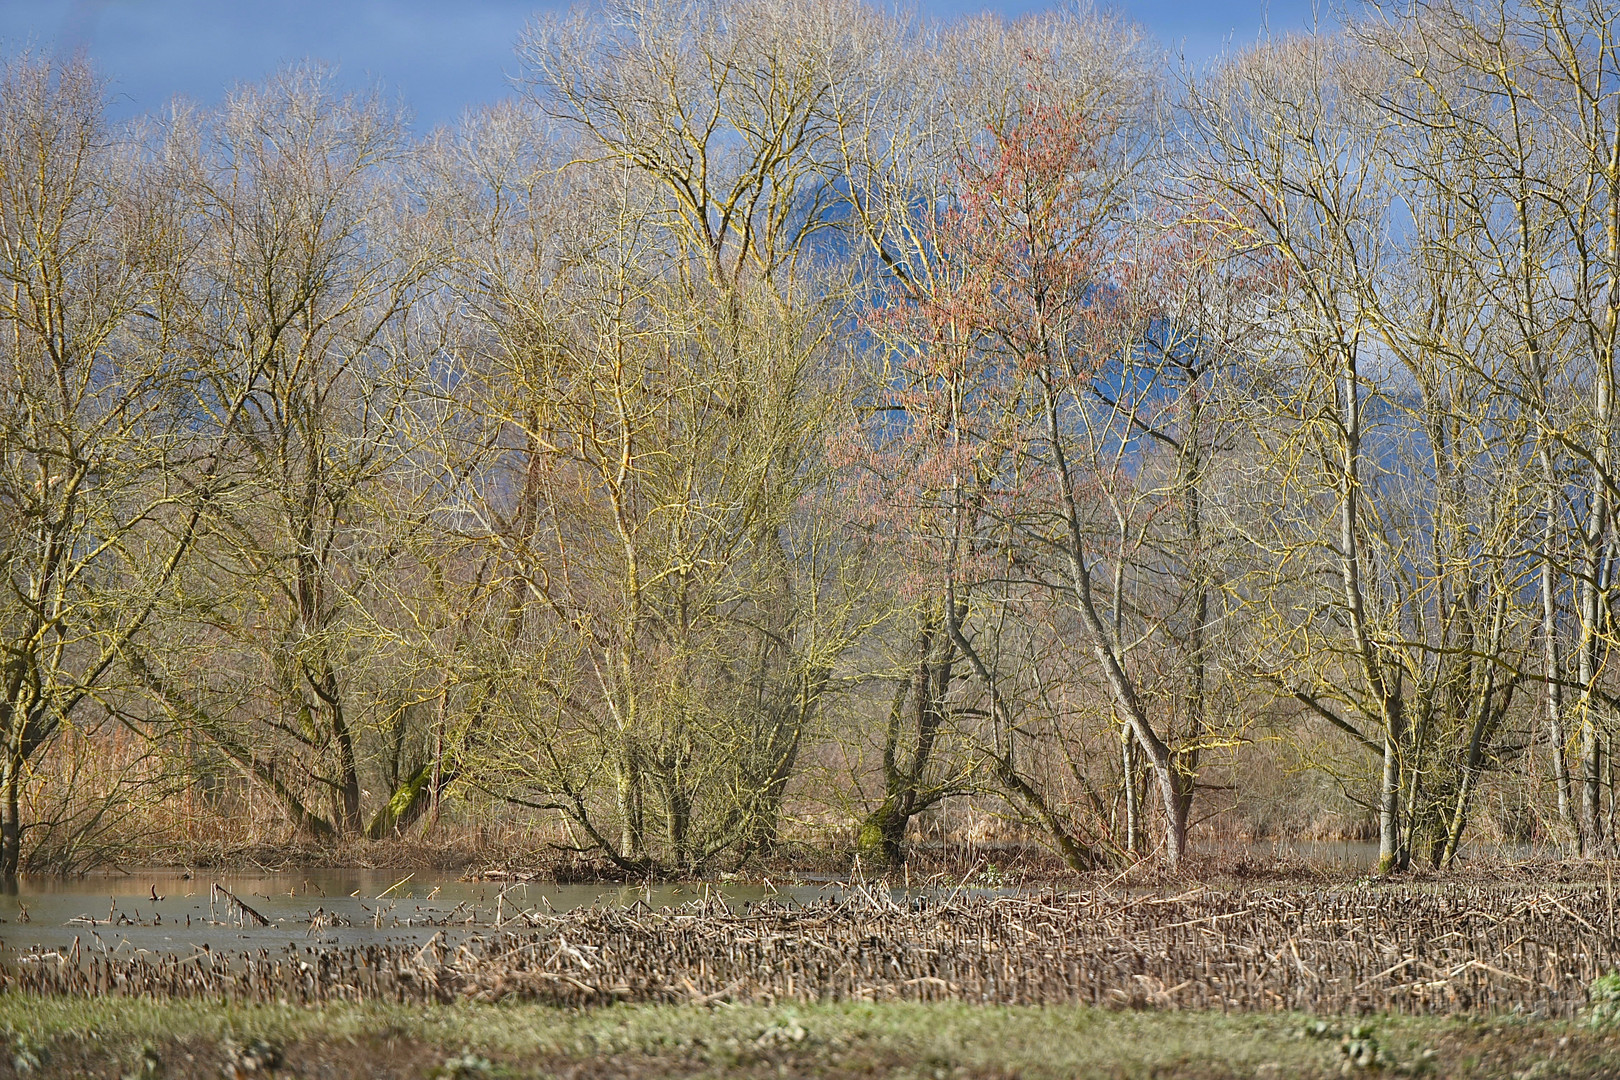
(628, 780)
(1123, 690)
(1190, 480)
(1389, 807)
(1384, 687)
(1552, 661)
(1486, 716)
(436, 783)
(11, 816)
(1133, 800)
(348, 768)
(1592, 589)
(1589, 591)
(1553, 677)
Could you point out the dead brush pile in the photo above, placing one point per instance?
(1339, 950)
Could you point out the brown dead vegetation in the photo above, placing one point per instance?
(1476, 949)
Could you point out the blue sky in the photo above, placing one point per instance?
(439, 55)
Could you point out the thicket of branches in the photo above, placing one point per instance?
(785, 420)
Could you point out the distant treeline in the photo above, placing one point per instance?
(784, 419)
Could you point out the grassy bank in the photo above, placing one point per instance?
(51, 1037)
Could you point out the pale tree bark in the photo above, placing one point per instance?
(1297, 168)
(1518, 93)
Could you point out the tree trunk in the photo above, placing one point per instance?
(764, 834)
(1177, 798)
(1553, 674)
(1120, 685)
(627, 791)
(1133, 797)
(883, 832)
(11, 818)
(1190, 467)
(348, 770)
(409, 801)
(1590, 592)
(1591, 786)
(1389, 808)
(1465, 793)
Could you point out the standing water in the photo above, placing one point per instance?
(173, 912)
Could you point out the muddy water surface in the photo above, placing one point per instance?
(118, 913)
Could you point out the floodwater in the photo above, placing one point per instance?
(204, 911)
(117, 913)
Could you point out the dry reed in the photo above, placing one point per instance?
(1343, 950)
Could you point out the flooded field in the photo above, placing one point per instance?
(176, 911)
(166, 911)
(1343, 950)
(1521, 941)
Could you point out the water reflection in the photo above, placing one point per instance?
(178, 912)
(168, 911)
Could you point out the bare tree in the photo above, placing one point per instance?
(303, 283)
(102, 468)
(655, 399)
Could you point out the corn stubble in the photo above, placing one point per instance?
(1345, 950)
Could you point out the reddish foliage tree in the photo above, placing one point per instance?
(1048, 346)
